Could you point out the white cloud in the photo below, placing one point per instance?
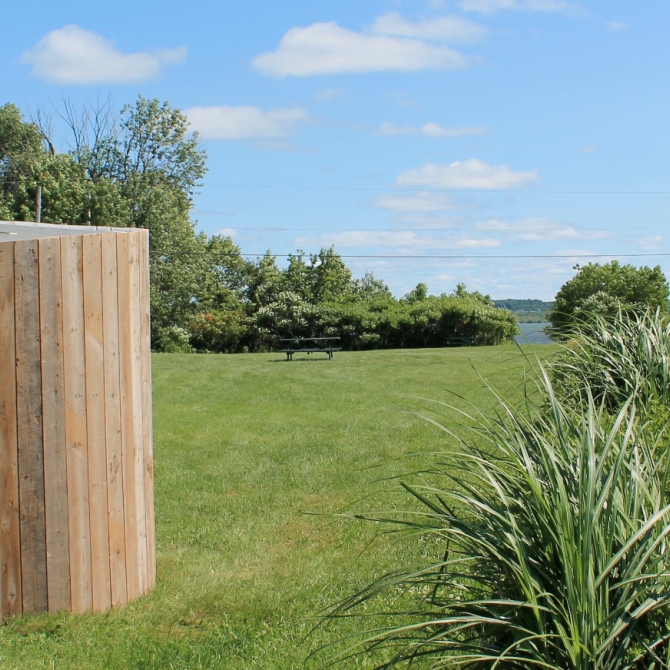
(448, 29)
(432, 130)
(470, 174)
(422, 202)
(225, 122)
(327, 48)
(651, 243)
(541, 230)
(492, 6)
(399, 239)
(71, 55)
(616, 26)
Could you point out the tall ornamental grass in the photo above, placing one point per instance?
(552, 525)
(616, 356)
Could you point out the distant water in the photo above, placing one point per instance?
(533, 333)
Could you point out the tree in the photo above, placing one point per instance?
(418, 294)
(139, 169)
(604, 289)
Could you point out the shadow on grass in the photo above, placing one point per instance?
(300, 360)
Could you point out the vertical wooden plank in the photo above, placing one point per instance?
(130, 416)
(138, 427)
(53, 410)
(76, 444)
(10, 548)
(147, 424)
(117, 540)
(95, 422)
(29, 428)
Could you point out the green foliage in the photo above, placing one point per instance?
(615, 357)
(553, 525)
(140, 170)
(380, 322)
(605, 289)
(548, 522)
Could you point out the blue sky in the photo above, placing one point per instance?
(475, 129)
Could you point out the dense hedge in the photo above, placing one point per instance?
(373, 324)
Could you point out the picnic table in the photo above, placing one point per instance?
(308, 345)
(458, 341)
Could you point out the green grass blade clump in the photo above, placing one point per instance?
(617, 356)
(554, 528)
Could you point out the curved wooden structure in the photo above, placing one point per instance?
(76, 456)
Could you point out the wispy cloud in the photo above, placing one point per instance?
(398, 239)
(72, 55)
(651, 243)
(432, 130)
(541, 230)
(449, 29)
(470, 174)
(616, 26)
(225, 122)
(393, 44)
(492, 6)
(329, 94)
(422, 202)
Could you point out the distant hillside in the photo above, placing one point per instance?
(527, 305)
(527, 310)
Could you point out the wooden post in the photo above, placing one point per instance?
(76, 456)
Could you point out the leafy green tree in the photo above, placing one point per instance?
(417, 294)
(604, 289)
(139, 170)
(369, 287)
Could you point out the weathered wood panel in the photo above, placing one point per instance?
(10, 549)
(129, 402)
(95, 422)
(53, 411)
(77, 528)
(117, 538)
(147, 423)
(76, 438)
(29, 428)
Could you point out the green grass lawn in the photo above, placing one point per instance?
(253, 455)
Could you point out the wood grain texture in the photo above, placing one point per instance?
(29, 428)
(95, 422)
(138, 416)
(115, 495)
(10, 549)
(76, 440)
(126, 258)
(53, 413)
(77, 524)
(147, 424)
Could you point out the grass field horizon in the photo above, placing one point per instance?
(254, 457)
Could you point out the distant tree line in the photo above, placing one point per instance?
(140, 168)
(524, 305)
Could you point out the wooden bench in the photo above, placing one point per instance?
(315, 348)
(459, 341)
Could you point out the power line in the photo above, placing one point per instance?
(425, 189)
(430, 190)
(470, 256)
(434, 230)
